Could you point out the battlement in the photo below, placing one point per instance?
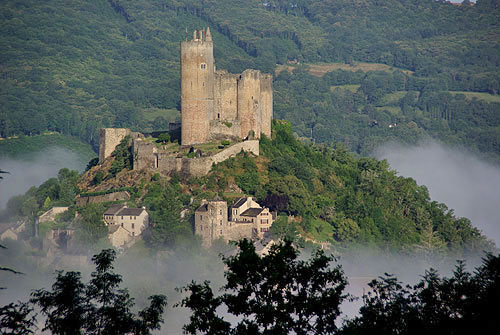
(208, 95)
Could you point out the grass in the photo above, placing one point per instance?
(392, 98)
(320, 69)
(487, 97)
(394, 110)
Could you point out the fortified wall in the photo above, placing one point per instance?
(148, 156)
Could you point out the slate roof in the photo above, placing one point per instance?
(113, 209)
(253, 212)
(203, 208)
(239, 202)
(131, 211)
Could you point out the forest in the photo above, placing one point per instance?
(426, 68)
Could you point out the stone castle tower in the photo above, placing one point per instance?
(217, 104)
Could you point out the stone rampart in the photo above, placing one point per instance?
(109, 138)
(115, 196)
(146, 155)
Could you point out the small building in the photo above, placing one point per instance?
(244, 219)
(12, 231)
(125, 223)
(52, 213)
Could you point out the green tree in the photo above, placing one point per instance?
(164, 138)
(273, 294)
(99, 307)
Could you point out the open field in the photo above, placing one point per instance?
(320, 69)
(478, 95)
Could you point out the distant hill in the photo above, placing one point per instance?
(73, 67)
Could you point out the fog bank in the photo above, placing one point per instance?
(33, 171)
(466, 184)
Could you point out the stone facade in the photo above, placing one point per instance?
(125, 223)
(244, 219)
(109, 138)
(217, 104)
(51, 214)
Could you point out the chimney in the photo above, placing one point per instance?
(209, 35)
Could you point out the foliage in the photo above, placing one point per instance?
(344, 200)
(164, 203)
(17, 319)
(99, 307)
(90, 224)
(120, 79)
(61, 191)
(275, 294)
(461, 304)
(123, 157)
(164, 138)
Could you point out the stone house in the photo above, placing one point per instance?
(125, 223)
(244, 219)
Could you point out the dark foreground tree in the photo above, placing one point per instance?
(466, 303)
(17, 319)
(273, 294)
(100, 307)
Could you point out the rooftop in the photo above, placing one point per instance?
(252, 212)
(113, 209)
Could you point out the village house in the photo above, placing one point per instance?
(125, 223)
(244, 219)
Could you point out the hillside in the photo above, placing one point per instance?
(73, 67)
(327, 194)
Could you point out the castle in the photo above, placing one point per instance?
(215, 106)
(244, 219)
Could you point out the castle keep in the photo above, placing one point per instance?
(217, 104)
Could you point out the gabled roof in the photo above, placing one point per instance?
(131, 211)
(239, 202)
(113, 209)
(203, 208)
(253, 212)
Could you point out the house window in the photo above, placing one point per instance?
(133, 234)
(130, 218)
(220, 212)
(133, 225)
(221, 222)
(203, 66)
(122, 224)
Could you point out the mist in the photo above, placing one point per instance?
(459, 179)
(34, 170)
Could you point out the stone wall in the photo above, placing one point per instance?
(109, 138)
(116, 196)
(197, 88)
(266, 98)
(249, 102)
(146, 155)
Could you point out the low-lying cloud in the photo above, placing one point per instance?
(34, 170)
(465, 183)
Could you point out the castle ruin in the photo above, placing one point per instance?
(215, 105)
